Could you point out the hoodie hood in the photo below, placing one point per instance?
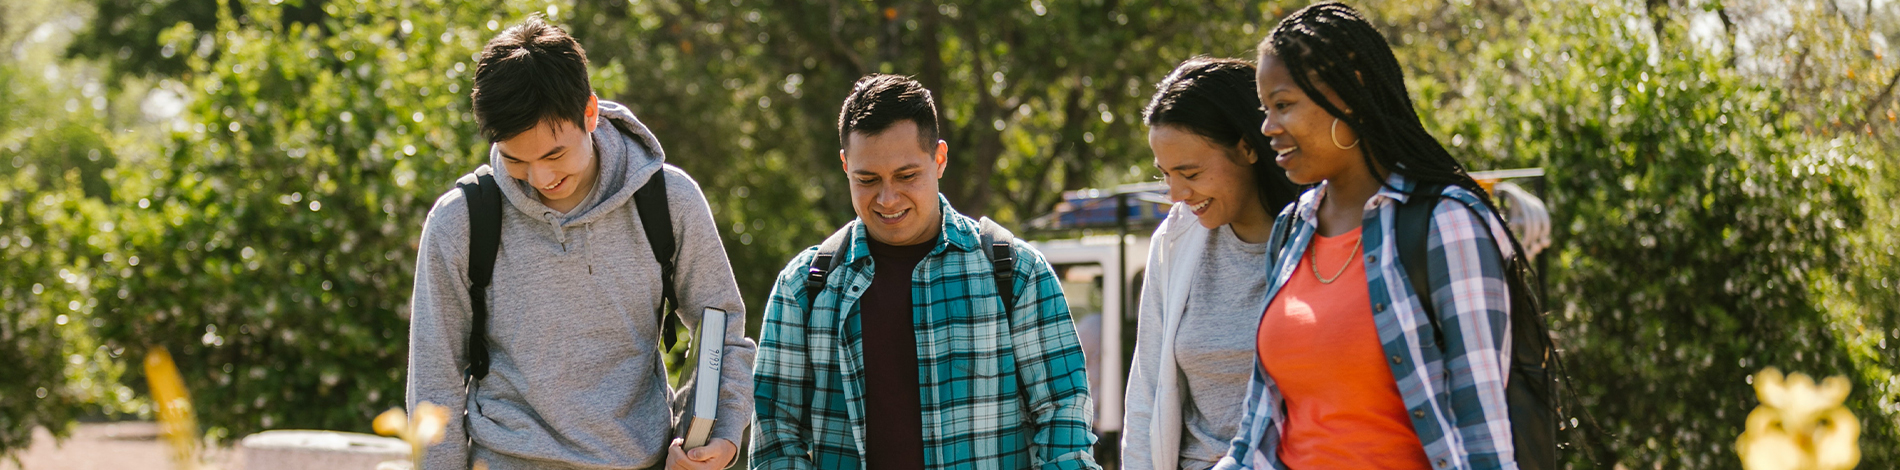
(626, 154)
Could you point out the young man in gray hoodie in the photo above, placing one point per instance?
(576, 376)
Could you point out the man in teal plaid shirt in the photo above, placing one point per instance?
(906, 356)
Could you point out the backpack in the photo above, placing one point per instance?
(996, 238)
(484, 240)
(1530, 390)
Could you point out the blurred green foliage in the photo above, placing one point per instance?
(1698, 226)
(56, 172)
(243, 182)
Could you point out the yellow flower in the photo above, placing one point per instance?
(1799, 426)
(390, 423)
(176, 420)
(420, 431)
(430, 421)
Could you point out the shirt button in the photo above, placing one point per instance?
(1372, 259)
(1419, 412)
(1380, 307)
(1441, 463)
(1396, 360)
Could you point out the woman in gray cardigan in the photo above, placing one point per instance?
(1206, 278)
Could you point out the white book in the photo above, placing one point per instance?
(711, 345)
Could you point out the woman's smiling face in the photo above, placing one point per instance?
(1215, 181)
(1306, 142)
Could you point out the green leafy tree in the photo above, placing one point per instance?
(279, 237)
(1035, 98)
(1702, 230)
(55, 214)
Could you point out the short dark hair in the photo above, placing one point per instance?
(531, 73)
(879, 101)
(1216, 99)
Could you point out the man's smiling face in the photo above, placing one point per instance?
(894, 184)
(556, 157)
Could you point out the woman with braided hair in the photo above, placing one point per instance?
(1353, 371)
(1204, 288)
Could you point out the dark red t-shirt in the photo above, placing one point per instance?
(893, 410)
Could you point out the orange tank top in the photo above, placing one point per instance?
(1319, 344)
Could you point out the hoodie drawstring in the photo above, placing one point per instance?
(560, 234)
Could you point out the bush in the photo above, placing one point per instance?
(1697, 229)
(55, 211)
(277, 229)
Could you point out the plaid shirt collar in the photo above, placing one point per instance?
(1308, 206)
(955, 232)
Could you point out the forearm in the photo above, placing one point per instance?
(736, 387)
(1052, 369)
(704, 279)
(783, 378)
(436, 360)
(778, 437)
(438, 333)
(1472, 295)
(1138, 408)
(1064, 433)
(431, 384)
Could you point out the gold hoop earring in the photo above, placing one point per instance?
(1355, 140)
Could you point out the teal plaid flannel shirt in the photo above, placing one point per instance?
(1453, 391)
(1001, 389)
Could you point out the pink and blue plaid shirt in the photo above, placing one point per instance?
(1453, 391)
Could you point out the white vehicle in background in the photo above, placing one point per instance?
(1097, 242)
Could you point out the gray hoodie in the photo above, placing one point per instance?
(576, 379)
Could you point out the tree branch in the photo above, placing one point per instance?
(1728, 26)
(1873, 105)
(838, 45)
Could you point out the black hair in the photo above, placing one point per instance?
(531, 73)
(1334, 43)
(1216, 99)
(879, 101)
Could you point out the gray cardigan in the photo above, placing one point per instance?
(1186, 390)
(577, 380)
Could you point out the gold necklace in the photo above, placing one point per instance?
(1342, 268)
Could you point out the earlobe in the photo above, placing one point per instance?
(942, 158)
(592, 113)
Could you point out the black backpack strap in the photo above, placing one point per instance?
(483, 197)
(996, 244)
(657, 221)
(827, 259)
(1413, 228)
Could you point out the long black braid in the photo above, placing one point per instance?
(1333, 42)
(1216, 99)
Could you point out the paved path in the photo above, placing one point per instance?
(107, 446)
